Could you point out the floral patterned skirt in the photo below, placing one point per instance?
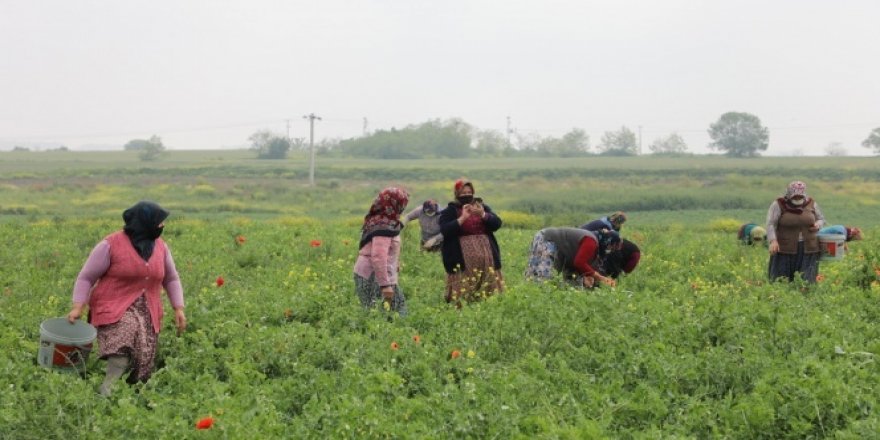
(370, 294)
(480, 279)
(132, 336)
(542, 257)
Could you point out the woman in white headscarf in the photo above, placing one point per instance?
(793, 223)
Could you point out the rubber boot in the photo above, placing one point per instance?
(116, 366)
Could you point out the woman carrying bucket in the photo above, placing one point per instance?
(132, 265)
(793, 223)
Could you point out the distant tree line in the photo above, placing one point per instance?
(736, 134)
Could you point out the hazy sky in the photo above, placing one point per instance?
(208, 73)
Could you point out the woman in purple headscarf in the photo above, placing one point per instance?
(793, 223)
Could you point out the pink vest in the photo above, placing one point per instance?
(127, 278)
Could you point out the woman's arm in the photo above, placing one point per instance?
(491, 220)
(175, 291)
(171, 283)
(449, 222)
(820, 218)
(94, 268)
(586, 252)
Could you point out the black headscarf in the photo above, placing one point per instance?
(142, 226)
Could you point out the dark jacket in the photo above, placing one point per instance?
(451, 230)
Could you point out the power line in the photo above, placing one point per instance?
(311, 117)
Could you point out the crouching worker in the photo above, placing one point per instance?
(751, 233)
(852, 233)
(429, 222)
(121, 282)
(570, 252)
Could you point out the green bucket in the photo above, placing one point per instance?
(65, 346)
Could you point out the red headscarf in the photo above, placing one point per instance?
(460, 184)
(384, 216)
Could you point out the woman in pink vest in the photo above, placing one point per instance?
(793, 222)
(122, 282)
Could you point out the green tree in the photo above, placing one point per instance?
(136, 145)
(574, 143)
(435, 138)
(835, 149)
(739, 135)
(490, 143)
(152, 150)
(619, 143)
(873, 140)
(672, 144)
(269, 145)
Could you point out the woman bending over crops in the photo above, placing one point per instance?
(573, 252)
(427, 214)
(122, 281)
(470, 252)
(793, 222)
(377, 265)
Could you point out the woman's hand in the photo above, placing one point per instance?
(607, 280)
(589, 281)
(774, 247)
(388, 293)
(179, 320)
(466, 211)
(75, 312)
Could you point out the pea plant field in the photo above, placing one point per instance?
(695, 343)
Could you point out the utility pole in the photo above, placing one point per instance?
(288, 131)
(640, 140)
(508, 132)
(366, 130)
(311, 117)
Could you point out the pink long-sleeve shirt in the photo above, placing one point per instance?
(381, 257)
(98, 263)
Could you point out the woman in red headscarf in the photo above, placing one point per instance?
(470, 252)
(793, 223)
(375, 271)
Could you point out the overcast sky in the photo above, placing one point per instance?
(207, 73)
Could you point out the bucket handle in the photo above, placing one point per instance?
(72, 363)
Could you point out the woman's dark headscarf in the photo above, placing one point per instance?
(624, 260)
(142, 226)
(607, 239)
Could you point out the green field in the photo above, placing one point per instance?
(694, 344)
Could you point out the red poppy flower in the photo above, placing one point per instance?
(417, 339)
(455, 354)
(820, 278)
(394, 346)
(219, 281)
(205, 423)
(240, 240)
(315, 243)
